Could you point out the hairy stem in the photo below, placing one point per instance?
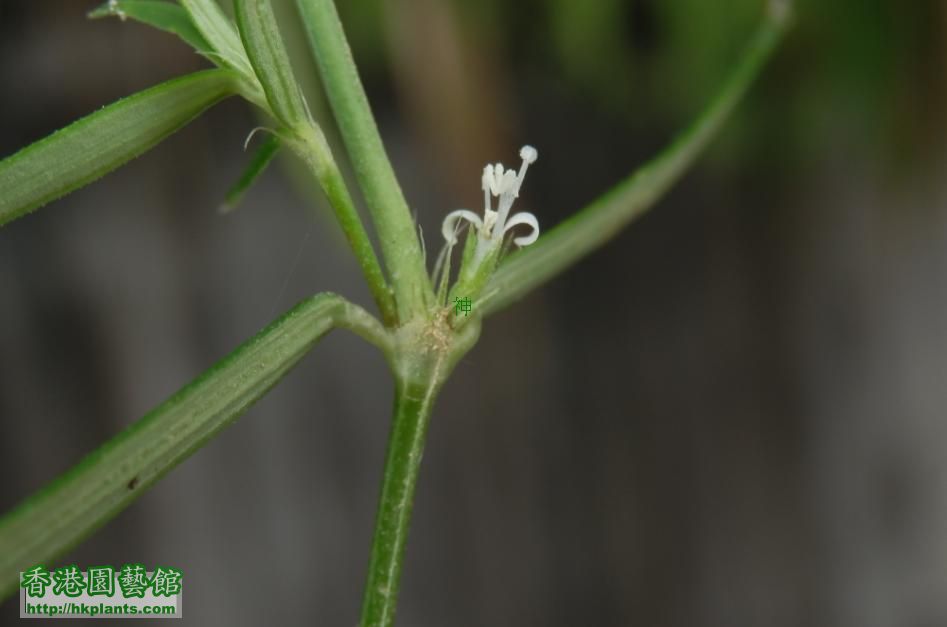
(412, 411)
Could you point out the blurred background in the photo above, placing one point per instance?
(734, 414)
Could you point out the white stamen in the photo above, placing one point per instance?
(489, 219)
(487, 182)
(497, 179)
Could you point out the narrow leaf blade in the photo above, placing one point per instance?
(604, 218)
(162, 15)
(111, 478)
(219, 32)
(101, 142)
(264, 46)
(261, 159)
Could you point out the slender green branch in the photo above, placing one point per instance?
(383, 195)
(592, 227)
(312, 148)
(261, 38)
(57, 518)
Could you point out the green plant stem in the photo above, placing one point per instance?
(563, 246)
(424, 353)
(386, 203)
(412, 412)
(312, 148)
(264, 46)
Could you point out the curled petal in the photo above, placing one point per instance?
(449, 227)
(523, 218)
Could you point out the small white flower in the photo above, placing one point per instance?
(504, 184)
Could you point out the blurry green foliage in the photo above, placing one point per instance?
(865, 71)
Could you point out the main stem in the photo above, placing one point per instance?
(412, 411)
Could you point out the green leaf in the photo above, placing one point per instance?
(592, 227)
(162, 15)
(261, 158)
(101, 142)
(264, 45)
(219, 31)
(76, 504)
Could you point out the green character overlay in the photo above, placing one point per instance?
(166, 581)
(36, 580)
(131, 579)
(463, 305)
(101, 581)
(69, 581)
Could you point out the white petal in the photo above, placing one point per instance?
(449, 227)
(523, 218)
